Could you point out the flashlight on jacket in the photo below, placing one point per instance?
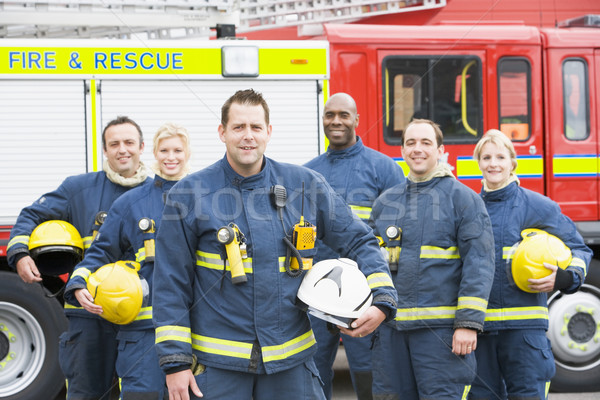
(394, 235)
(98, 221)
(230, 236)
(148, 226)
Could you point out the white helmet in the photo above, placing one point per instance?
(336, 291)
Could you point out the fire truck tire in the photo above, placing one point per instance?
(30, 324)
(575, 335)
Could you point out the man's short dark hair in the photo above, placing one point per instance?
(439, 136)
(247, 97)
(120, 120)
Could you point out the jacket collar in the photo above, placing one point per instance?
(501, 194)
(238, 180)
(349, 152)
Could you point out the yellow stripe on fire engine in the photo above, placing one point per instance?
(400, 161)
(176, 61)
(527, 167)
(292, 61)
(572, 166)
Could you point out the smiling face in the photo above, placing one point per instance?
(420, 149)
(340, 121)
(171, 156)
(245, 135)
(495, 164)
(123, 149)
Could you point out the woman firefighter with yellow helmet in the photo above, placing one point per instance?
(105, 283)
(538, 250)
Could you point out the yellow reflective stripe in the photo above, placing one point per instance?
(222, 347)
(361, 212)
(82, 272)
(579, 165)
(578, 262)
(87, 242)
(416, 313)
(466, 392)
(516, 313)
(214, 261)
(507, 252)
(71, 307)
(439, 252)
(472, 303)
(547, 388)
(379, 279)
(145, 313)
(289, 348)
(140, 255)
(21, 239)
(173, 332)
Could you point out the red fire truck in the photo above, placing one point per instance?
(540, 86)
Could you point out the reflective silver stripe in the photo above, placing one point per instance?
(379, 279)
(578, 262)
(439, 252)
(145, 313)
(140, 255)
(412, 314)
(87, 242)
(473, 303)
(222, 347)
(516, 313)
(289, 348)
(361, 212)
(507, 252)
(214, 261)
(82, 272)
(22, 239)
(173, 332)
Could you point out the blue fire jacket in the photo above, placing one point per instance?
(446, 262)
(254, 326)
(77, 200)
(119, 236)
(358, 174)
(513, 209)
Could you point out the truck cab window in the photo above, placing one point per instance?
(575, 100)
(514, 97)
(446, 90)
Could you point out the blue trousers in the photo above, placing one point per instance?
(513, 364)
(298, 383)
(87, 355)
(358, 353)
(419, 364)
(137, 366)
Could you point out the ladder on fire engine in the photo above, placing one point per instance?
(174, 19)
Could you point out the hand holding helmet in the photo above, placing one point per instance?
(537, 257)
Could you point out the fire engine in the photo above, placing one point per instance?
(540, 86)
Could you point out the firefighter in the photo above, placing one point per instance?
(444, 275)
(358, 174)
(227, 332)
(514, 357)
(131, 223)
(88, 349)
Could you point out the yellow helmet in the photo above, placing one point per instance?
(536, 248)
(117, 287)
(56, 247)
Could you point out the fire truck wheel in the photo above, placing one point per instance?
(30, 324)
(575, 335)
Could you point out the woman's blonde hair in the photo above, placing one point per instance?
(499, 139)
(169, 130)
